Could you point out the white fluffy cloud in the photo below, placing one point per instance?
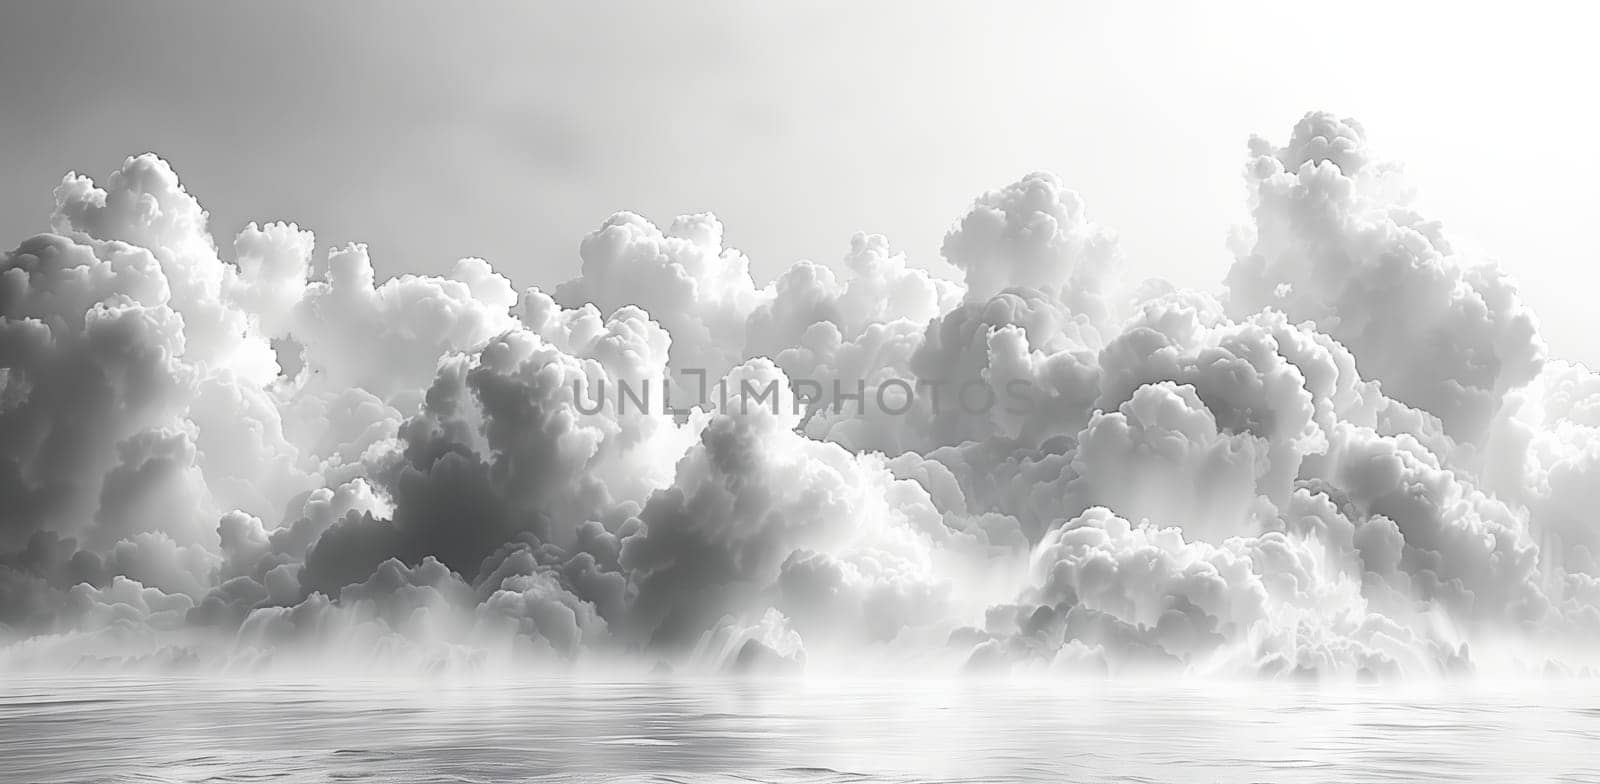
(1351, 459)
(1336, 242)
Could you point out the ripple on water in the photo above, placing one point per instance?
(54, 731)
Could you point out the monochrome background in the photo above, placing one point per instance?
(302, 302)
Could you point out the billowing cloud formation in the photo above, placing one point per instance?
(1336, 242)
(1352, 459)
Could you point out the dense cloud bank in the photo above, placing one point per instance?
(1351, 459)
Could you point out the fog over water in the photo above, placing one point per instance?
(229, 449)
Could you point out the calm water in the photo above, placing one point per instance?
(96, 729)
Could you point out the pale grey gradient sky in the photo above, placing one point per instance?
(509, 130)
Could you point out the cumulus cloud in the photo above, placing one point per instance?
(1350, 459)
(1336, 241)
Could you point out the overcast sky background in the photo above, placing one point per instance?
(507, 131)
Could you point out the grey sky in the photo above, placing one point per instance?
(509, 130)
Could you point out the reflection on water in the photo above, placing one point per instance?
(97, 729)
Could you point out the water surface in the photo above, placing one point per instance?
(98, 729)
